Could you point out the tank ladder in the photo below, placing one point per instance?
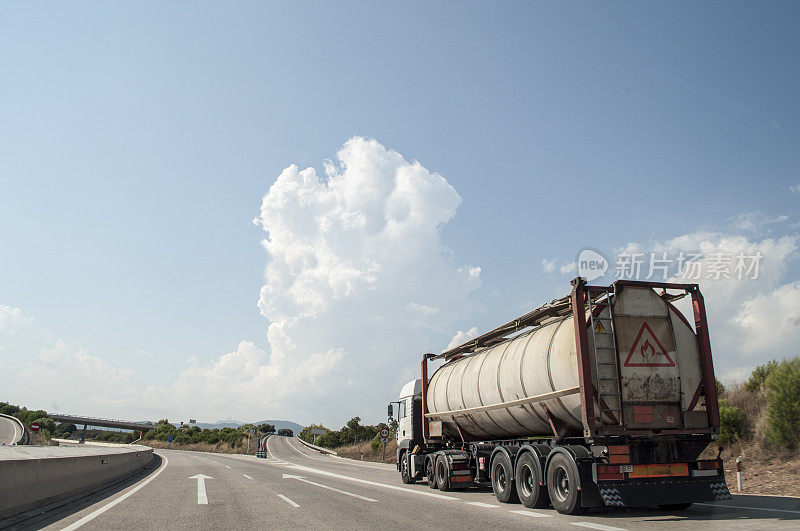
(605, 354)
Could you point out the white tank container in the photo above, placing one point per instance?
(544, 360)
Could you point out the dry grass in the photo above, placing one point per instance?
(356, 451)
(220, 447)
(766, 469)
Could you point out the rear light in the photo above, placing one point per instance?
(660, 470)
(609, 472)
(619, 454)
(708, 465)
(482, 463)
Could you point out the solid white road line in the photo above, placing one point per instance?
(365, 481)
(287, 500)
(248, 477)
(340, 491)
(481, 504)
(598, 526)
(328, 459)
(531, 513)
(749, 508)
(104, 508)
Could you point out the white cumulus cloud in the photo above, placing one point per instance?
(462, 337)
(357, 286)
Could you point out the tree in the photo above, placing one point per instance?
(783, 403)
(266, 428)
(731, 423)
(286, 432)
(759, 376)
(306, 433)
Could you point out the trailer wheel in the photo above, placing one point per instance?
(442, 474)
(430, 472)
(503, 479)
(405, 474)
(562, 485)
(529, 490)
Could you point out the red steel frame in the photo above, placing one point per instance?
(707, 387)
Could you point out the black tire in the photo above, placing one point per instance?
(442, 474)
(405, 473)
(430, 472)
(562, 485)
(530, 492)
(676, 506)
(503, 479)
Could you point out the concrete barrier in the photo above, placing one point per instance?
(24, 437)
(317, 448)
(37, 476)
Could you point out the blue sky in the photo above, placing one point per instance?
(137, 142)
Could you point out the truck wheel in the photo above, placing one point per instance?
(430, 472)
(530, 492)
(503, 479)
(404, 472)
(442, 474)
(562, 485)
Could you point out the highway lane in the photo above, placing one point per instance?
(10, 432)
(299, 488)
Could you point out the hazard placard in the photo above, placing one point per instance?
(599, 328)
(647, 350)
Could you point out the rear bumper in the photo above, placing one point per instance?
(663, 491)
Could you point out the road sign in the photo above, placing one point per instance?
(384, 434)
(647, 351)
(317, 431)
(35, 426)
(169, 438)
(192, 421)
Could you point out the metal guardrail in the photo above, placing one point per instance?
(317, 448)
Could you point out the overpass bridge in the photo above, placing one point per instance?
(141, 427)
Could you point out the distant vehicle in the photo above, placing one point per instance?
(605, 397)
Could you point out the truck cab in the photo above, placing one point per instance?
(409, 429)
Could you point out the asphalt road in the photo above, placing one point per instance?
(9, 431)
(299, 488)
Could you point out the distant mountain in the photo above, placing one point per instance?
(279, 424)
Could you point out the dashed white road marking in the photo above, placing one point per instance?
(248, 477)
(598, 526)
(481, 504)
(226, 466)
(287, 500)
(364, 481)
(749, 508)
(104, 508)
(340, 491)
(532, 513)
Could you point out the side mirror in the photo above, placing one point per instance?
(391, 410)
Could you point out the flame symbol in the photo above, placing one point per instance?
(647, 350)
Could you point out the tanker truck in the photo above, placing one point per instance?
(604, 397)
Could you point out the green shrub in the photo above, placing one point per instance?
(759, 376)
(731, 423)
(783, 403)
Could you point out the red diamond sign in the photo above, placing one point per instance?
(647, 351)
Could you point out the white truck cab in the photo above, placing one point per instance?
(409, 429)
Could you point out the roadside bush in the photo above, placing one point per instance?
(783, 403)
(759, 376)
(731, 423)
